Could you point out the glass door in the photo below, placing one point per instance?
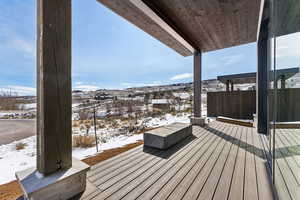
(284, 97)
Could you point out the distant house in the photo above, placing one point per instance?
(161, 104)
(103, 96)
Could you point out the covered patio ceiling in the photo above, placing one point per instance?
(190, 25)
(246, 78)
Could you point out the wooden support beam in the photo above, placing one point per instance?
(162, 24)
(232, 86)
(54, 94)
(197, 83)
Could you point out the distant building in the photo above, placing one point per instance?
(161, 104)
(103, 96)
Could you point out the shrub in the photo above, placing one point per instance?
(114, 124)
(83, 141)
(20, 145)
(103, 140)
(83, 115)
(101, 125)
(75, 124)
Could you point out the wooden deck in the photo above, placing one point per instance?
(287, 163)
(222, 161)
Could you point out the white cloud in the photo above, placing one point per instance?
(128, 85)
(232, 59)
(181, 76)
(86, 87)
(288, 46)
(23, 46)
(14, 40)
(18, 90)
(28, 91)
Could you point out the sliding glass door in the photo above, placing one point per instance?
(284, 97)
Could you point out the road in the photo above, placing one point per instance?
(16, 129)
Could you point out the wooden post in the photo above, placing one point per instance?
(54, 94)
(232, 86)
(95, 128)
(197, 83)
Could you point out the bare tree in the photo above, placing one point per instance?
(8, 101)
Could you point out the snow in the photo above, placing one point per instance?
(167, 119)
(2, 114)
(182, 95)
(29, 106)
(81, 153)
(160, 101)
(12, 160)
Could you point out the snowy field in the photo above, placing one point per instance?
(12, 160)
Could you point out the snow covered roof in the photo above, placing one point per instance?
(182, 95)
(160, 101)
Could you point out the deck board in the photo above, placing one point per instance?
(250, 170)
(286, 165)
(219, 161)
(237, 185)
(201, 179)
(262, 172)
(224, 184)
(211, 184)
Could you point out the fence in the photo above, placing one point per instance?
(235, 104)
(242, 104)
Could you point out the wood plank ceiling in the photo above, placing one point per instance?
(206, 25)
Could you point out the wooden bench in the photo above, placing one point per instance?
(165, 137)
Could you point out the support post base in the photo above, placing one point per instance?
(62, 184)
(198, 121)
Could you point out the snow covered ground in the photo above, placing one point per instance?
(12, 160)
(2, 114)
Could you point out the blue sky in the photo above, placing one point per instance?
(107, 51)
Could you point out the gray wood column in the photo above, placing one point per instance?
(262, 79)
(197, 83)
(54, 95)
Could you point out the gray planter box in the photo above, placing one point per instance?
(165, 137)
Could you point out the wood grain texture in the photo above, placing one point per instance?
(197, 83)
(54, 106)
(130, 12)
(223, 161)
(206, 24)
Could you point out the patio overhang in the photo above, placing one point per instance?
(248, 78)
(187, 26)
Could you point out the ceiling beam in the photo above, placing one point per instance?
(260, 18)
(160, 22)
